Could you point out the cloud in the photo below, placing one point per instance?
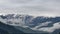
(40, 25)
(47, 29)
(50, 29)
(34, 7)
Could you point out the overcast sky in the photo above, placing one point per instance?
(34, 7)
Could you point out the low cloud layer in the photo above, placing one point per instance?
(47, 29)
(51, 29)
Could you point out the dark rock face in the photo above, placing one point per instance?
(57, 31)
(6, 29)
(2, 31)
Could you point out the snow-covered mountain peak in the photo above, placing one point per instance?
(15, 19)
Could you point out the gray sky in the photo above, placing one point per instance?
(33, 7)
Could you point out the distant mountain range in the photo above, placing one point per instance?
(29, 24)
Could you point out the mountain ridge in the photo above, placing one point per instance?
(28, 21)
